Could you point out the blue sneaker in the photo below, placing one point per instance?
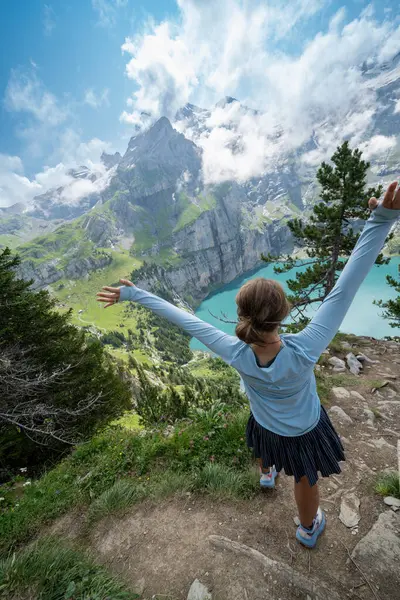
(267, 480)
(309, 537)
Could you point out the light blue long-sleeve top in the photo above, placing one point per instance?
(283, 396)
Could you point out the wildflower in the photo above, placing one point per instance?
(242, 439)
(23, 469)
(225, 425)
(206, 438)
(212, 458)
(27, 483)
(1, 499)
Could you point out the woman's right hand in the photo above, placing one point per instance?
(391, 199)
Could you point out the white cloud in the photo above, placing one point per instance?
(378, 146)
(397, 106)
(48, 129)
(26, 93)
(229, 48)
(96, 100)
(15, 187)
(107, 11)
(49, 19)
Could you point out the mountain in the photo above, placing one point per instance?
(156, 207)
(153, 207)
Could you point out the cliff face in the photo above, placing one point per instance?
(46, 273)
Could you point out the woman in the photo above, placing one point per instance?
(288, 429)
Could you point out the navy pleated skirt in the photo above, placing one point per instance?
(318, 451)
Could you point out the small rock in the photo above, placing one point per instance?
(354, 365)
(296, 521)
(340, 415)
(326, 351)
(340, 393)
(198, 591)
(349, 510)
(346, 345)
(169, 431)
(364, 359)
(391, 501)
(337, 363)
(338, 369)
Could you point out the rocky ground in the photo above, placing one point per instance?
(193, 548)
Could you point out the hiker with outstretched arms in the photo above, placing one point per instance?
(288, 428)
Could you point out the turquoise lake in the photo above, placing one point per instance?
(363, 317)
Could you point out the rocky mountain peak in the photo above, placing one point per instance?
(110, 160)
(161, 146)
(225, 101)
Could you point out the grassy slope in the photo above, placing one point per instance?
(81, 294)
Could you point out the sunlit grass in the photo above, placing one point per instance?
(388, 484)
(81, 294)
(51, 570)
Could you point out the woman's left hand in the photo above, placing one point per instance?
(111, 295)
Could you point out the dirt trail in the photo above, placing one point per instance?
(160, 549)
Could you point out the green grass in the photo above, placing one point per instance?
(325, 383)
(155, 464)
(228, 483)
(388, 484)
(116, 499)
(191, 210)
(214, 369)
(81, 294)
(51, 570)
(377, 413)
(129, 420)
(336, 344)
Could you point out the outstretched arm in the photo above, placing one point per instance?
(226, 346)
(319, 333)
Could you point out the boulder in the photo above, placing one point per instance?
(339, 415)
(337, 363)
(354, 365)
(357, 396)
(365, 359)
(340, 393)
(378, 554)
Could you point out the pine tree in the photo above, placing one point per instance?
(392, 307)
(329, 235)
(57, 384)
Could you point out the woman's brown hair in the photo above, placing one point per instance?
(262, 306)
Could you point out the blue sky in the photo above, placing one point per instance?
(68, 89)
(74, 49)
